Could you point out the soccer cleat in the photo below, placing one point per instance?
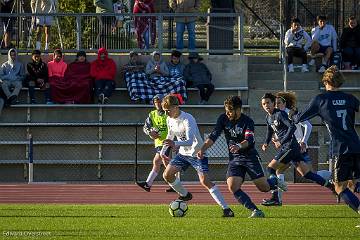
(188, 197)
(271, 202)
(170, 189)
(228, 213)
(281, 185)
(257, 213)
(144, 186)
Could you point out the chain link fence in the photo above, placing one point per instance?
(112, 152)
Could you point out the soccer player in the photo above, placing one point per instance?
(155, 127)
(183, 126)
(281, 130)
(239, 135)
(337, 109)
(286, 101)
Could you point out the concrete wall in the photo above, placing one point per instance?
(227, 70)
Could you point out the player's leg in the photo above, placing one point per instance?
(276, 194)
(177, 164)
(153, 173)
(165, 162)
(304, 170)
(235, 178)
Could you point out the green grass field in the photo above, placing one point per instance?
(154, 222)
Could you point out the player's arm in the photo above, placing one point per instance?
(248, 141)
(149, 130)
(269, 134)
(311, 111)
(307, 131)
(282, 116)
(213, 136)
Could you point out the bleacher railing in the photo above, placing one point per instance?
(83, 31)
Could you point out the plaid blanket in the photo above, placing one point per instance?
(141, 87)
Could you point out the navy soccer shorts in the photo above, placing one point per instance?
(238, 167)
(346, 167)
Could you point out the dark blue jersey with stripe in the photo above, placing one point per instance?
(236, 132)
(278, 123)
(337, 110)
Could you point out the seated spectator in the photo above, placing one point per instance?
(79, 81)
(2, 99)
(142, 88)
(176, 68)
(134, 65)
(56, 70)
(103, 70)
(297, 42)
(198, 75)
(324, 41)
(38, 76)
(156, 67)
(350, 44)
(12, 73)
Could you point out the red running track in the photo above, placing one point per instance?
(132, 194)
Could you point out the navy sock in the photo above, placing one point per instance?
(357, 187)
(272, 182)
(271, 171)
(350, 199)
(315, 178)
(245, 200)
(275, 195)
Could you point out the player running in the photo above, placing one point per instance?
(337, 110)
(183, 126)
(243, 157)
(155, 127)
(281, 130)
(286, 101)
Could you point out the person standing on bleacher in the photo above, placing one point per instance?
(350, 45)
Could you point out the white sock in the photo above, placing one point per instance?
(46, 46)
(150, 179)
(280, 193)
(218, 197)
(38, 45)
(178, 187)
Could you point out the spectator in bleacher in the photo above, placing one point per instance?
(43, 22)
(79, 81)
(103, 70)
(297, 43)
(56, 70)
(185, 6)
(350, 44)
(324, 41)
(134, 64)
(12, 73)
(7, 23)
(197, 75)
(120, 7)
(38, 76)
(145, 26)
(176, 68)
(104, 6)
(156, 67)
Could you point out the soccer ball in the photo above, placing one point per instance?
(178, 208)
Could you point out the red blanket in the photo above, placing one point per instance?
(76, 85)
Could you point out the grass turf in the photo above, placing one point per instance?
(154, 222)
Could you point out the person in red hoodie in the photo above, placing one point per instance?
(103, 70)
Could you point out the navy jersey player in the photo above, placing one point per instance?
(243, 157)
(337, 110)
(281, 130)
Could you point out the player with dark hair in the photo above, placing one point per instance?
(281, 130)
(337, 110)
(243, 157)
(286, 101)
(183, 126)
